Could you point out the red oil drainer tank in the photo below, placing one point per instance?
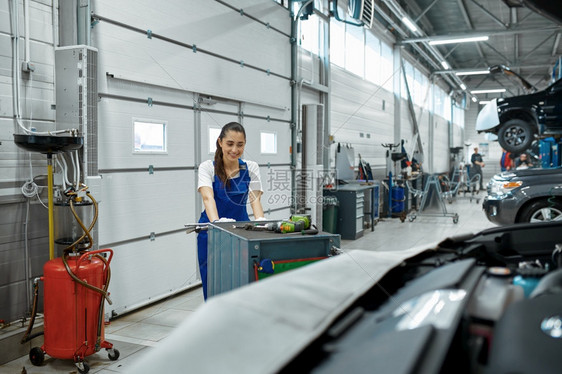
(73, 308)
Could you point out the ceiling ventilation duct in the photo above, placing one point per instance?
(362, 10)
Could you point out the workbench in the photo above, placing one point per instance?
(234, 254)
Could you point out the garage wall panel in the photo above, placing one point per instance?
(137, 271)
(37, 95)
(13, 304)
(267, 11)
(156, 62)
(282, 130)
(362, 115)
(133, 56)
(132, 67)
(133, 205)
(279, 110)
(116, 135)
(209, 25)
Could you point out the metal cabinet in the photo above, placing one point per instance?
(355, 201)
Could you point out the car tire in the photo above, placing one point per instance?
(516, 136)
(542, 211)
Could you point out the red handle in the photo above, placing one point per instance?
(93, 253)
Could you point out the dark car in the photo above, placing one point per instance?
(518, 120)
(531, 195)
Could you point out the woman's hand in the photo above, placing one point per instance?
(224, 219)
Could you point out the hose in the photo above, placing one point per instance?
(26, 337)
(102, 291)
(86, 230)
(100, 312)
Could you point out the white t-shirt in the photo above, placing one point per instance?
(207, 175)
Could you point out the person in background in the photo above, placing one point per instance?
(226, 184)
(506, 161)
(523, 162)
(477, 165)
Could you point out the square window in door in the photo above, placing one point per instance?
(149, 137)
(268, 142)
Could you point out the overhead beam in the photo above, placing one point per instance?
(505, 58)
(454, 71)
(489, 14)
(511, 31)
(397, 10)
(537, 47)
(556, 44)
(451, 51)
(468, 21)
(425, 11)
(513, 21)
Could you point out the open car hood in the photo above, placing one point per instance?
(513, 76)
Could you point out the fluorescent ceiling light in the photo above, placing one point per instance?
(410, 24)
(459, 40)
(473, 72)
(483, 102)
(463, 86)
(445, 65)
(497, 90)
(474, 99)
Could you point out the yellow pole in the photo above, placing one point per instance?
(51, 215)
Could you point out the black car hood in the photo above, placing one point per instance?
(528, 99)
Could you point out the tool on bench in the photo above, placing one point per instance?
(295, 225)
(306, 219)
(257, 227)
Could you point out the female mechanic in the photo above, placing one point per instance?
(225, 185)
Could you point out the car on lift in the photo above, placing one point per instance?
(530, 195)
(519, 120)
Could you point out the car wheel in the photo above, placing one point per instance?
(516, 136)
(542, 211)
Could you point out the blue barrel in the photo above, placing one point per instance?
(397, 199)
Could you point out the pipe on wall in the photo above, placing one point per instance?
(83, 22)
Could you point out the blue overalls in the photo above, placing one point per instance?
(231, 203)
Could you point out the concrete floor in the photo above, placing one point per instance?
(135, 333)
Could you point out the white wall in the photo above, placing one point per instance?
(132, 66)
(360, 118)
(210, 51)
